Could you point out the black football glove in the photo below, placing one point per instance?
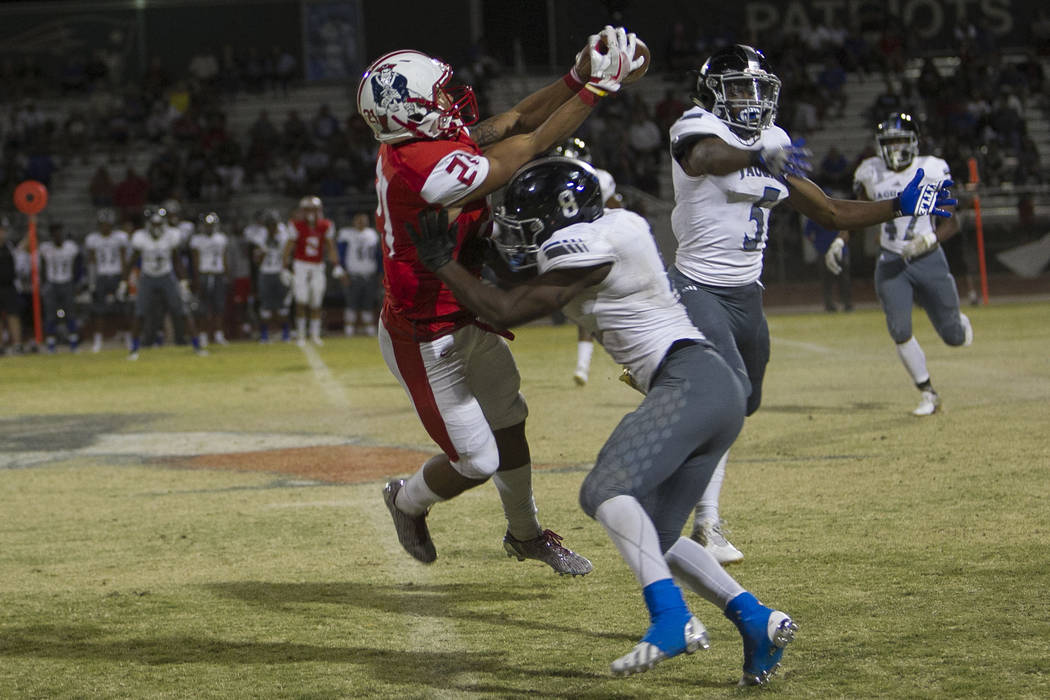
(435, 240)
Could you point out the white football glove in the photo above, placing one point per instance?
(919, 245)
(833, 258)
(338, 272)
(122, 291)
(609, 68)
(286, 277)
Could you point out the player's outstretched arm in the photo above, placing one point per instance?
(435, 242)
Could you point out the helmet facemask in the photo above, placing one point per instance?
(898, 148)
(745, 100)
(517, 240)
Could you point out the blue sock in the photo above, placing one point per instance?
(135, 344)
(264, 332)
(286, 333)
(668, 614)
(196, 343)
(743, 608)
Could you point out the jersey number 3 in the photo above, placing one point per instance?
(769, 195)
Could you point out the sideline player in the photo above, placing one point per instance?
(155, 253)
(603, 268)
(577, 148)
(458, 373)
(60, 268)
(107, 250)
(911, 266)
(731, 164)
(274, 296)
(210, 266)
(304, 256)
(359, 248)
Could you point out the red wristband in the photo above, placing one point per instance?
(589, 98)
(572, 82)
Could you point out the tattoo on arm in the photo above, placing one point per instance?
(486, 133)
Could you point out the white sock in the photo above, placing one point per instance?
(635, 536)
(300, 326)
(584, 351)
(696, 569)
(219, 337)
(315, 327)
(202, 337)
(98, 338)
(515, 491)
(707, 508)
(914, 360)
(415, 496)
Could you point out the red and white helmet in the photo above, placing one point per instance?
(310, 208)
(403, 95)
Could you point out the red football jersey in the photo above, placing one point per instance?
(410, 177)
(310, 240)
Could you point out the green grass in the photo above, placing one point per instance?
(912, 552)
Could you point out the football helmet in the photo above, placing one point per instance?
(155, 221)
(310, 208)
(544, 196)
(106, 216)
(574, 147)
(209, 222)
(404, 95)
(737, 86)
(897, 140)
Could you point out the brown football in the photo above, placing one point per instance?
(640, 50)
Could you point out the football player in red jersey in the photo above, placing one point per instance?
(457, 371)
(304, 255)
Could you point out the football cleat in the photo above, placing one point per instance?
(412, 530)
(967, 329)
(547, 548)
(928, 404)
(133, 355)
(765, 633)
(580, 377)
(316, 340)
(711, 536)
(300, 341)
(645, 656)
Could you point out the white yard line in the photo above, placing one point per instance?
(812, 347)
(419, 631)
(325, 379)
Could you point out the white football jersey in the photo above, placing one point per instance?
(59, 260)
(272, 248)
(455, 176)
(633, 312)
(211, 252)
(156, 252)
(721, 222)
(362, 247)
(607, 182)
(108, 251)
(875, 181)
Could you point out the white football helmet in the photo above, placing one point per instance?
(310, 208)
(403, 95)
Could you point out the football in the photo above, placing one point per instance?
(641, 50)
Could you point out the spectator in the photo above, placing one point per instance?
(821, 238)
(101, 188)
(324, 124)
(835, 172)
(284, 65)
(832, 83)
(294, 133)
(667, 112)
(130, 193)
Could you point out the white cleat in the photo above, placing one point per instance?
(711, 536)
(301, 342)
(968, 329)
(316, 340)
(928, 404)
(645, 656)
(580, 377)
(132, 356)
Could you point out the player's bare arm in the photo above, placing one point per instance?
(709, 155)
(534, 109)
(506, 156)
(843, 214)
(535, 299)
(286, 254)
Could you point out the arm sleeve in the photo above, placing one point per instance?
(568, 251)
(455, 176)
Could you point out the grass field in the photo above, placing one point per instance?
(912, 552)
